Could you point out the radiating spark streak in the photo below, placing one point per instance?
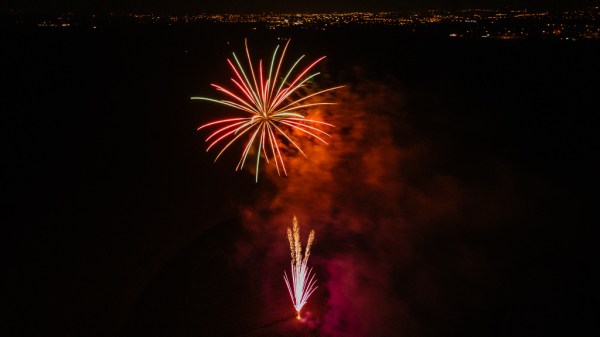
(244, 124)
(309, 105)
(269, 82)
(273, 144)
(286, 93)
(287, 115)
(300, 76)
(300, 128)
(247, 150)
(220, 121)
(246, 90)
(223, 129)
(306, 70)
(311, 95)
(303, 281)
(248, 85)
(236, 97)
(260, 146)
(310, 120)
(290, 140)
(279, 65)
(297, 124)
(252, 71)
(224, 102)
(232, 141)
(274, 106)
(216, 133)
(273, 150)
(284, 81)
(262, 83)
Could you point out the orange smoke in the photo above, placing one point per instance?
(369, 195)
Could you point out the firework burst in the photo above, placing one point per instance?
(272, 105)
(303, 282)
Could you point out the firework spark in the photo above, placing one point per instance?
(271, 103)
(303, 280)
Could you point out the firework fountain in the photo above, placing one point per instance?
(303, 282)
(271, 104)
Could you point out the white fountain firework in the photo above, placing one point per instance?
(303, 280)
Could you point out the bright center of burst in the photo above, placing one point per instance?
(263, 117)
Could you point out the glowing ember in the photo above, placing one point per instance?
(272, 103)
(303, 279)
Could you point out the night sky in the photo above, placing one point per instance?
(198, 6)
(457, 195)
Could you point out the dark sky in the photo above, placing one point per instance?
(458, 196)
(196, 6)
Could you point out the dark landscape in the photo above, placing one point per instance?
(457, 196)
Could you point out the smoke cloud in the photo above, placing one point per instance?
(377, 200)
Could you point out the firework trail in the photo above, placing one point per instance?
(303, 280)
(271, 103)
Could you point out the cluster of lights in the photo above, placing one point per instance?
(472, 23)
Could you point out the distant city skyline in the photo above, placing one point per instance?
(244, 6)
(565, 25)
